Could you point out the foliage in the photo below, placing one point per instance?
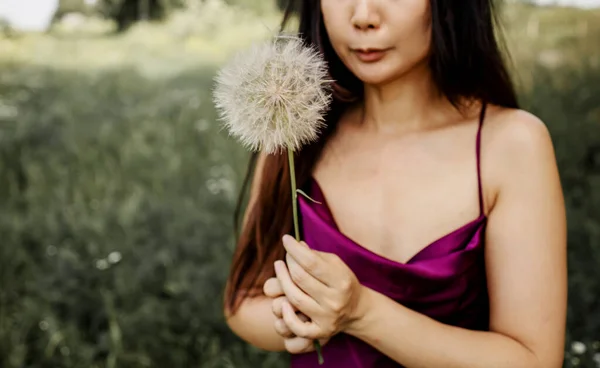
(78, 6)
(125, 13)
(117, 221)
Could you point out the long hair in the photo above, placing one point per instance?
(466, 62)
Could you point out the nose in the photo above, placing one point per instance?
(365, 15)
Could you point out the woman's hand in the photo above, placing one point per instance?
(322, 287)
(293, 344)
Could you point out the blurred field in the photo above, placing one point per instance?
(204, 35)
(118, 185)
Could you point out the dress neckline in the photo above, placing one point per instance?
(318, 195)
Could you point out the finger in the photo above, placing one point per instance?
(277, 306)
(282, 329)
(298, 327)
(272, 288)
(308, 259)
(295, 296)
(305, 281)
(298, 345)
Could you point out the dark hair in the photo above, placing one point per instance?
(467, 64)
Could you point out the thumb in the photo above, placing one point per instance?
(272, 288)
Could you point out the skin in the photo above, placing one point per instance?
(414, 147)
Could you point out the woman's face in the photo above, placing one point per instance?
(378, 40)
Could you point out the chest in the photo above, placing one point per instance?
(395, 197)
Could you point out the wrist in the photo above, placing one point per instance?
(362, 311)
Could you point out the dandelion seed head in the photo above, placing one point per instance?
(274, 95)
(578, 347)
(114, 257)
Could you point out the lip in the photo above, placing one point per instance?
(370, 55)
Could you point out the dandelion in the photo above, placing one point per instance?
(273, 97)
(578, 347)
(102, 264)
(114, 257)
(596, 359)
(51, 250)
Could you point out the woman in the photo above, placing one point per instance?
(439, 236)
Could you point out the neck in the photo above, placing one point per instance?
(408, 103)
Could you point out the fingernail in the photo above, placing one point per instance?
(287, 239)
(277, 265)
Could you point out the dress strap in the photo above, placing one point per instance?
(478, 148)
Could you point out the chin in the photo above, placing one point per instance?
(379, 74)
(374, 79)
(374, 76)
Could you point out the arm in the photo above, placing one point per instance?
(258, 318)
(253, 321)
(259, 321)
(526, 266)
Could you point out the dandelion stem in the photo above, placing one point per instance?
(294, 194)
(316, 343)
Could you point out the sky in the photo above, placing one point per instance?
(28, 15)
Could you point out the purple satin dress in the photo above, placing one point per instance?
(445, 281)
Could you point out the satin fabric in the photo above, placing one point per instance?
(445, 281)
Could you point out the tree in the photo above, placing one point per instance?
(127, 12)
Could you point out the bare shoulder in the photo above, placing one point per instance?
(513, 133)
(516, 145)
